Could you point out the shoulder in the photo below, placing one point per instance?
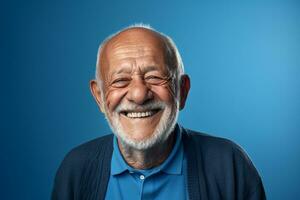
(80, 158)
(213, 145)
(78, 164)
(209, 143)
(223, 161)
(219, 155)
(88, 151)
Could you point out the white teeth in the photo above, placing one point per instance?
(139, 114)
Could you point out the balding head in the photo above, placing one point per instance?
(136, 34)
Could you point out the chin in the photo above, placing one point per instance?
(160, 133)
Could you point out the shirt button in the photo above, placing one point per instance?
(142, 177)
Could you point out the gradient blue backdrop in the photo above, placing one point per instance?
(243, 59)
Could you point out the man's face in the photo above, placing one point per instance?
(139, 100)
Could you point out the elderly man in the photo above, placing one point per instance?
(140, 86)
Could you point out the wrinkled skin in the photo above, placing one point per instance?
(134, 71)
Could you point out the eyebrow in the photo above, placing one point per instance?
(150, 68)
(122, 70)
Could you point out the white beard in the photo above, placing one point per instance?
(161, 133)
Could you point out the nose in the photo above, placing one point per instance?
(138, 91)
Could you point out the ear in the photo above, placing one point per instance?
(96, 92)
(184, 90)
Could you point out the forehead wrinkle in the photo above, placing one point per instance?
(146, 63)
(130, 59)
(130, 45)
(134, 49)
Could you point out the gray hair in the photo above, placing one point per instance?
(174, 60)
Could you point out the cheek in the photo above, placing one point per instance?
(164, 93)
(114, 97)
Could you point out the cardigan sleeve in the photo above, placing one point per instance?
(67, 179)
(248, 182)
(258, 193)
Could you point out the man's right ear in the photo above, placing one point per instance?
(96, 92)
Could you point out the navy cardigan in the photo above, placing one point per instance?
(217, 169)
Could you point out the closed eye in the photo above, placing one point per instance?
(152, 78)
(155, 80)
(121, 82)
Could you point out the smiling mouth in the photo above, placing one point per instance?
(140, 114)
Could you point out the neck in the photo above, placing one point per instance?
(148, 158)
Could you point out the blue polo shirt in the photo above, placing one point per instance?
(166, 181)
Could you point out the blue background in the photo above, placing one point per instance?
(243, 59)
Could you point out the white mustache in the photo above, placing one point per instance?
(153, 105)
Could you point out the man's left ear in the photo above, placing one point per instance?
(184, 89)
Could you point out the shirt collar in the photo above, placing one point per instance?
(118, 165)
(172, 165)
